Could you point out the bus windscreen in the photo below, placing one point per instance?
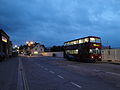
(96, 40)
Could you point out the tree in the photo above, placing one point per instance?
(57, 48)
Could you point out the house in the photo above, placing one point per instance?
(33, 49)
(37, 49)
(5, 45)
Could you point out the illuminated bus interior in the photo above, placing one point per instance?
(83, 40)
(72, 51)
(96, 40)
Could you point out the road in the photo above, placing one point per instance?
(49, 73)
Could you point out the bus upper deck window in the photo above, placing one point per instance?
(97, 40)
(86, 40)
(75, 42)
(80, 41)
(92, 39)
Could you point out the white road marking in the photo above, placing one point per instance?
(22, 80)
(117, 74)
(76, 85)
(52, 72)
(41, 66)
(113, 73)
(60, 77)
(97, 70)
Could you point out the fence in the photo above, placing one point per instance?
(111, 55)
(107, 54)
(54, 54)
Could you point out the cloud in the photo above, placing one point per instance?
(55, 21)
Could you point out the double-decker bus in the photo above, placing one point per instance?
(86, 49)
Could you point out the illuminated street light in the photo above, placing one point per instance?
(31, 42)
(27, 42)
(15, 46)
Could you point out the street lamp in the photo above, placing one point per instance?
(29, 43)
(15, 46)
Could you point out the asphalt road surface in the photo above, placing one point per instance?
(49, 73)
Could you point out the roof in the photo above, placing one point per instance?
(34, 45)
(1, 31)
(83, 38)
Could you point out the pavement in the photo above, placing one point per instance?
(8, 74)
(50, 73)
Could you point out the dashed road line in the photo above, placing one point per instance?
(63, 77)
(41, 66)
(52, 72)
(96, 70)
(112, 73)
(76, 85)
(60, 76)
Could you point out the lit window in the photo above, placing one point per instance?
(35, 52)
(71, 43)
(72, 51)
(68, 43)
(80, 41)
(75, 42)
(4, 39)
(76, 51)
(67, 52)
(97, 40)
(86, 40)
(92, 39)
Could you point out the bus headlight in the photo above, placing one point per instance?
(100, 57)
(92, 57)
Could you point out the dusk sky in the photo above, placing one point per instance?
(52, 22)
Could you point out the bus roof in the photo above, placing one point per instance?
(83, 38)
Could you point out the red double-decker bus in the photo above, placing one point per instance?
(86, 49)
